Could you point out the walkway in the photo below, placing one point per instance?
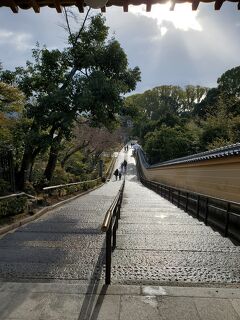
(160, 243)
(167, 265)
(66, 243)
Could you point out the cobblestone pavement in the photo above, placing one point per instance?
(160, 243)
(65, 243)
(162, 250)
(157, 242)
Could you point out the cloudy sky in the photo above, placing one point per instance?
(180, 47)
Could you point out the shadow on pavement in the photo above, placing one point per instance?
(94, 298)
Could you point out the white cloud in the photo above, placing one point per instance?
(4, 35)
(180, 47)
(18, 40)
(163, 31)
(182, 17)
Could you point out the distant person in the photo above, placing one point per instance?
(135, 147)
(116, 173)
(125, 165)
(120, 173)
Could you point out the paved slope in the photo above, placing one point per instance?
(160, 243)
(65, 243)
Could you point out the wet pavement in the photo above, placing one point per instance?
(167, 265)
(157, 243)
(65, 243)
(160, 243)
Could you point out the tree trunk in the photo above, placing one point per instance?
(23, 174)
(52, 161)
(53, 156)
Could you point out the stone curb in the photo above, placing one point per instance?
(133, 290)
(20, 223)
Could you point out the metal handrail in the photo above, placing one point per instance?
(69, 184)
(203, 195)
(110, 226)
(109, 214)
(16, 195)
(108, 172)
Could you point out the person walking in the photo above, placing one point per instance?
(116, 174)
(122, 166)
(120, 173)
(125, 165)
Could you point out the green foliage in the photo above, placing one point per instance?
(88, 77)
(164, 105)
(11, 105)
(208, 104)
(172, 122)
(72, 189)
(220, 129)
(4, 187)
(229, 82)
(168, 143)
(11, 99)
(61, 177)
(29, 188)
(13, 206)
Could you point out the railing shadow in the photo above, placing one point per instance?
(91, 307)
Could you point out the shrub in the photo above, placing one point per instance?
(29, 188)
(4, 187)
(13, 206)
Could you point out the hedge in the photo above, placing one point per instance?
(13, 206)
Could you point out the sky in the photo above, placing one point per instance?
(179, 47)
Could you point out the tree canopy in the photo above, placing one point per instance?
(88, 78)
(172, 122)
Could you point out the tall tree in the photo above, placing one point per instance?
(89, 77)
(229, 82)
(11, 106)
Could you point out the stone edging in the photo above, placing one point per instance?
(20, 223)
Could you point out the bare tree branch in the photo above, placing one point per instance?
(74, 68)
(82, 27)
(68, 26)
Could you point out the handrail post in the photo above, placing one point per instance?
(198, 202)
(227, 220)
(108, 255)
(118, 207)
(202, 205)
(110, 226)
(114, 235)
(178, 199)
(186, 207)
(206, 212)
